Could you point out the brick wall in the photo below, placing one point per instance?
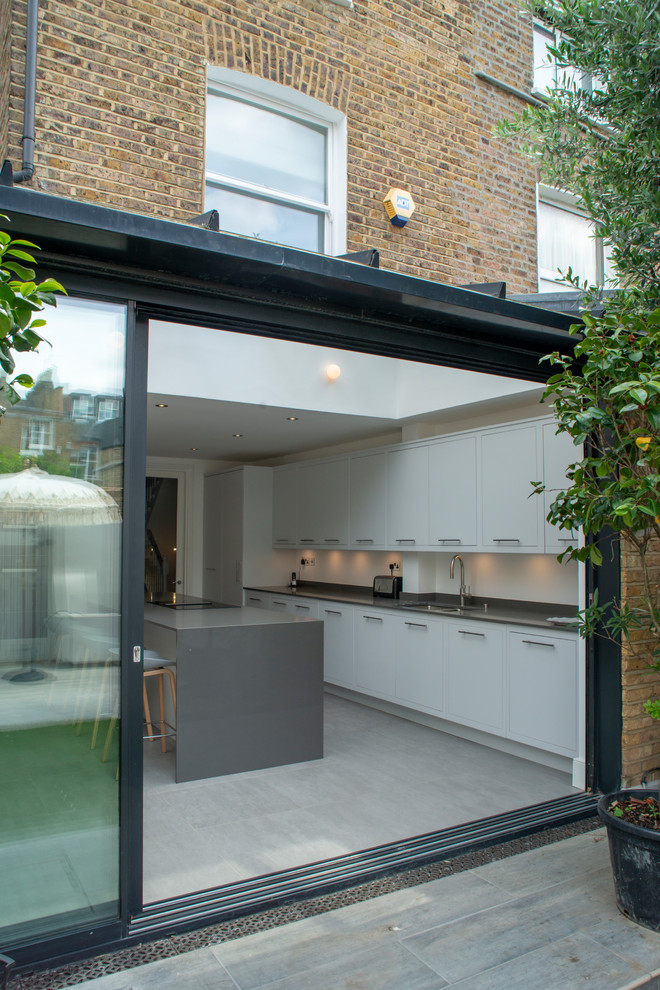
(641, 733)
(120, 115)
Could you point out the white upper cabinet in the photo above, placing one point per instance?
(453, 493)
(558, 452)
(408, 497)
(284, 505)
(511, 513)
(470, 490)
(323, 503)
(368, 500)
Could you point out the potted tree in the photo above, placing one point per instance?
(596, 134)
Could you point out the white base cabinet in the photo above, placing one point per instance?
(543, 691)
(375, 652)
(338, 651)
(521, 683)
(475, 674)
(420, 671)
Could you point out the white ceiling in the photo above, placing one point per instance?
(210, 424)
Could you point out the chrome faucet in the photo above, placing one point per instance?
(464, 592)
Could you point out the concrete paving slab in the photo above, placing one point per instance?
(545, 918)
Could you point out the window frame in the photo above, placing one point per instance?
(299, 106)
(583, 80)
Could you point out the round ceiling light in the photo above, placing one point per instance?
(332, 372)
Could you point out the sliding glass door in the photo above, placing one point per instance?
(61, 512)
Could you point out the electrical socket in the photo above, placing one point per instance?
(308, 561)
(397, 564)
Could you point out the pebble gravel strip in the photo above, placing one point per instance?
(113, 962)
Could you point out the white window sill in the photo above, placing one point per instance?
(342, 3)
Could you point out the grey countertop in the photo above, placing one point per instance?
(215, 618)
(497, 609)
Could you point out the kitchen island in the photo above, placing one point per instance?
(249, 687)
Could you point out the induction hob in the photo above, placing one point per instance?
(172, 599)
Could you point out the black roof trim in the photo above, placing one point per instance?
(85, 237)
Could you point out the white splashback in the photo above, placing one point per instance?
(524, 577)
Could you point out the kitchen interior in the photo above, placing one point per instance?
(372, 635)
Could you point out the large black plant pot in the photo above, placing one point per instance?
(635, 856)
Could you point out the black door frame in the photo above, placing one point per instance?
(506, 349)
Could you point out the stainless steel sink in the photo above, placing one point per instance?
(444, 609)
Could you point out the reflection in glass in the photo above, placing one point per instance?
(61, 477)
(267, 148)
(260, 218)
(566, 239)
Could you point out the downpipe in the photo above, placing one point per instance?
(7, 175)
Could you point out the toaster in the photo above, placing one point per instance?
(387, 586)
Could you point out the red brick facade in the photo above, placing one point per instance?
(121, 98)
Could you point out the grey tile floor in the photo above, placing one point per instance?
(382, 778)
(543, 919)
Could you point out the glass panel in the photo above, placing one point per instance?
(565, 240)
(267, 148)
(61, 478)
(251, 217)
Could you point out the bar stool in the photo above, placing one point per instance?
(156, 665)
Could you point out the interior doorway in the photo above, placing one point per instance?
(163, 550)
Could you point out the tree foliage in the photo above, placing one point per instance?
(20, 299)
(602, 142)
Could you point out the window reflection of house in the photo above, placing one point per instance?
(108, 409)
(82, 407)
(77, 434)
(37, 436)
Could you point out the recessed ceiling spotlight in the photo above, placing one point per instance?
(161, 405)
(237, 434)
(194, 448)
(292, 419)
(332, 372)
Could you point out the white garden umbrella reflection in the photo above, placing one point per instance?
(34, 505)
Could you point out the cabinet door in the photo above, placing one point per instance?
(453, 493)
(375, 652)
(543, 691)
(408, 497)
(323, 504)
(338, 647)
(284, 506)
(420, 662)
(475, 674)
(368, 501)
(558, 452)
(509, 465)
